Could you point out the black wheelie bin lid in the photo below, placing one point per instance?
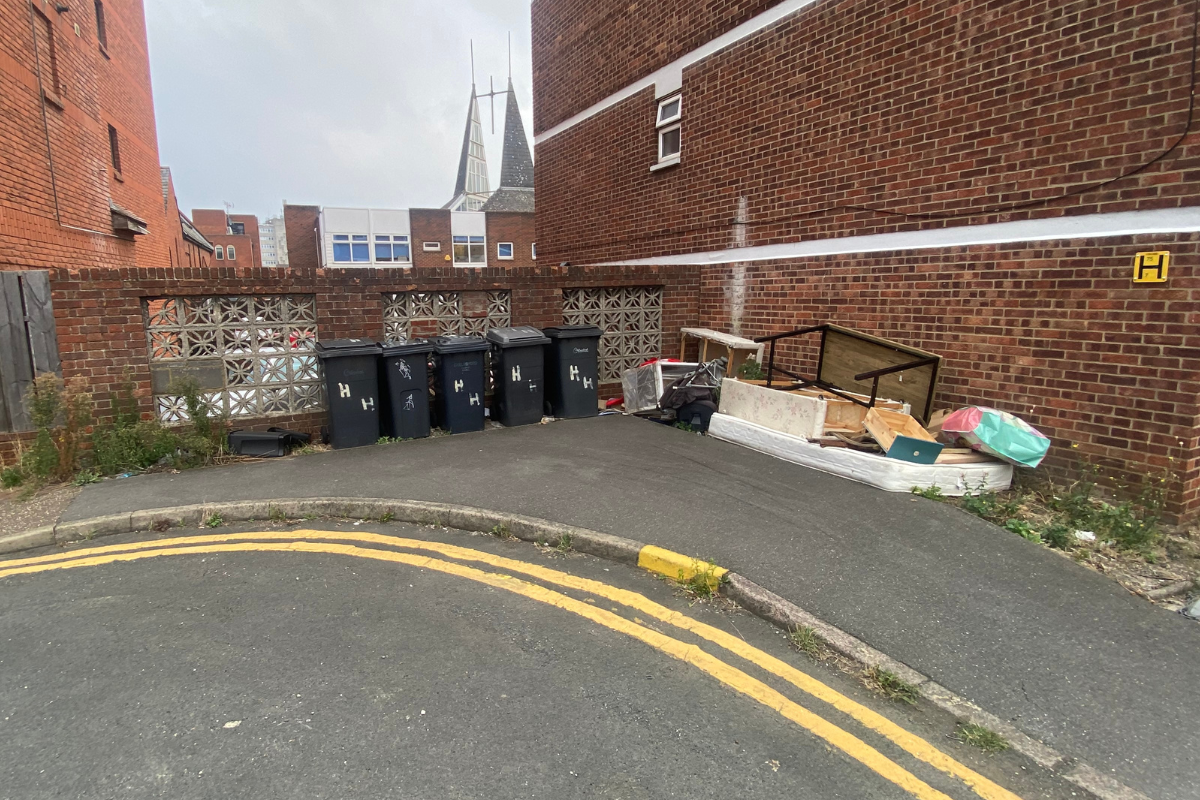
(458, 344)
(573, 332)
(415, 347)
(337, 348)
(524, 336)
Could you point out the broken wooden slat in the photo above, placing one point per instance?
(902, 437)
(16, 367)
(39, 320)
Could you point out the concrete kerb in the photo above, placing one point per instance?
(754, 598)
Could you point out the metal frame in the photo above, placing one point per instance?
(872, 375)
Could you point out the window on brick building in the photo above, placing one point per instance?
(470, 250)
(533, 251)
(231, 253)
(392, 249)
(351, 248)
(237, 228)
(504, 251)
(114, 148)
(47, 52)
(670, 113)
(101, 28)
(220, 253)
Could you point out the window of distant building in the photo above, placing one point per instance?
(533, 250)
(231, 253)
(351, 248)
(504, 251)
(470, 250)
(101, 28)
(220, 253)
(670, 114)
(392, 249)
(237, 228)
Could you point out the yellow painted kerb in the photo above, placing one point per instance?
(679, 567)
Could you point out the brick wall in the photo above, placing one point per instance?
(861, 117)
(302, 230)
(102, 336)
(584, 51)
(1054, 333)
(927, 107)
(61, 215)
(515, 228)
(428, 225)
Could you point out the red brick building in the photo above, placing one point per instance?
(80, 171)
(967, 178)
(234, 237)
(357, 238)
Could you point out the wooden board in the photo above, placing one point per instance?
(39, 319)
(848, 353)
(843, 414)
(902, 437)
(963, 455)
(16, 367)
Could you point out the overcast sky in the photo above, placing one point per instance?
(327, 102)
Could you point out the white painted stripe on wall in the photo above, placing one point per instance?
(1090, 226)
(670, 75)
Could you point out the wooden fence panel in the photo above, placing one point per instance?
(39, 322)
(28, 342)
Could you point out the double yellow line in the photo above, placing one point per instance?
(328, 542)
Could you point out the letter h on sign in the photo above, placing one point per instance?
(1151, 267)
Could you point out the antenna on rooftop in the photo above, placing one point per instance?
(510, 56)
(472, 65)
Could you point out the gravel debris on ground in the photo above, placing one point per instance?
(44, 508)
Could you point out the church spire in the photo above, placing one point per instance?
(471, 190)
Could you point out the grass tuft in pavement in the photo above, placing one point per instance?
(705, 584)
(892, 686)
(806, 640)
(978, 736)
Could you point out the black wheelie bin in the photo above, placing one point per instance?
(573, 371)
(352, 385)
(458, 382)
(518, 364)
(404, 383)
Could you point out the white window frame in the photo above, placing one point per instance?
(533, 250)
(662, 106)
(431, 247)
(230, 253)
(392, 241)
(500, 253)
(664, 125)
(220, 253)
(474, 248)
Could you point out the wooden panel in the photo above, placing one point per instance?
(16, 368)
(849, 353)
(39, 319)
(902, 437)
